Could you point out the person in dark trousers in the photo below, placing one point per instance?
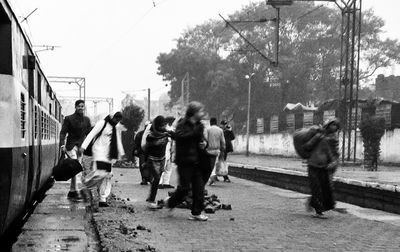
(144, 172)
(156, 143)
(189, 137)
(322, 164)
(74, 129)
(229, 137)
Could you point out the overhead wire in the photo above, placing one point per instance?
(122, 36)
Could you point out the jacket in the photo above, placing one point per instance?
(229, 137)
(75, 128)
(137, 142)
(322, 152)
(156, 143)
(188, 137)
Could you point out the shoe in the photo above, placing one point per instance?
(227, 180)
(143, 183)
(154, 206)
(103, 204)
(168, 186)
(200, 217)
(74, 195)
(86, 195)
(320, 216)
(213, 179)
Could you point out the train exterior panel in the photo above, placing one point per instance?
(30, 116)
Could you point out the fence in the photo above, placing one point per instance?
(281, 144)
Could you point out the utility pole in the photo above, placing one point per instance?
(148, 104)
(248, 77)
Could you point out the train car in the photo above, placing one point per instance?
(30, 117)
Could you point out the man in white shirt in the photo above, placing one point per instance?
(216, 144)
(106, 148)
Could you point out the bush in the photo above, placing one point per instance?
(372, 130)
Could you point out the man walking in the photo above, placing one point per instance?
(144, 171)
(189, 137)
(229, 137)
(169, 157)
(106, 148)
(74, 129)
(216, 146)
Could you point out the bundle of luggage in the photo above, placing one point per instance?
(301, 140)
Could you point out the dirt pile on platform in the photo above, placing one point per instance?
(211, 203)
(116, 231)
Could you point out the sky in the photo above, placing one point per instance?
(114, 44)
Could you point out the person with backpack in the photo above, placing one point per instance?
(104, 143)
(138, 151)
(322, 161)
(156, 143)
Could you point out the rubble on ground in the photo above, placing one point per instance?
(211, 203)
(116, 230)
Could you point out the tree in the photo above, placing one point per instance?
(372, 129)
(218, 59)
(132, 118)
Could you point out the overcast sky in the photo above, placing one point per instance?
(114, 44)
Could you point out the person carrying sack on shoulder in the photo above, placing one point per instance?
(106, 149)
(322, 163)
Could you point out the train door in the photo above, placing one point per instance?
(34, 140)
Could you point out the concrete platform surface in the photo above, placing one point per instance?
(385, 174)
(262, 218)
(58, 224)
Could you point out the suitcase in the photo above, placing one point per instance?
(66, 168)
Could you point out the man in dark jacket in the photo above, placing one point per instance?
(156, 143)
(75, 128)
(229, 137)
(189, 137)
(144, 172)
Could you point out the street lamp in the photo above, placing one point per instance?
(248, 77)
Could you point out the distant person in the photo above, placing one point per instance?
(322, 163)
(144, 172)
(169, 158)
(216, 146)
(229, 137)
(156, 143)
(106, 149)
(189, 137)
(74, 129)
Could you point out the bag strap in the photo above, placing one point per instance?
(101, 131)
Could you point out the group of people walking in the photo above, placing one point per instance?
(164, 143)
(188, 144)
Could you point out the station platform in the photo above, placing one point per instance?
(263, 218)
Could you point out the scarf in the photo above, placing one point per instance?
(113, 152)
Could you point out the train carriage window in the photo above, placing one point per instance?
(36, 122)
(23, 115)
(5, 43)
(42, 126)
